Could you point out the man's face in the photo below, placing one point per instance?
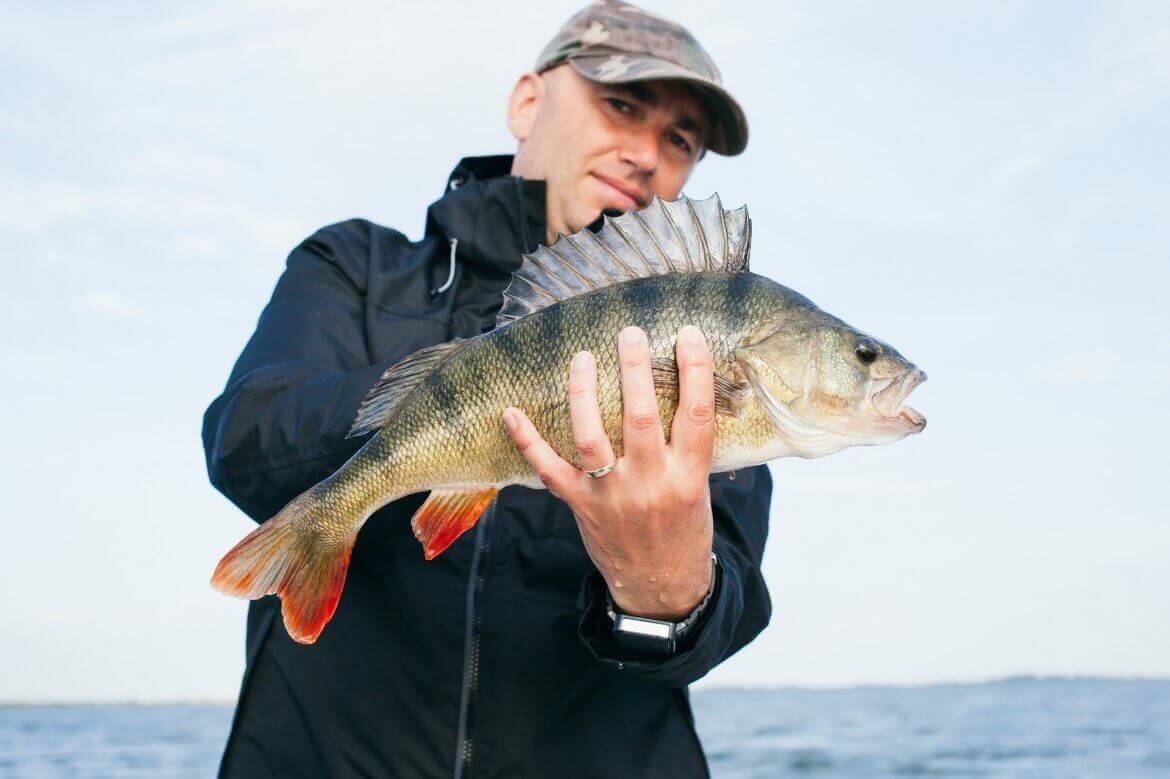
(603, 146)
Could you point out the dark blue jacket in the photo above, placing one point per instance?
(495, 659)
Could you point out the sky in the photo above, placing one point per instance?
(983, 185)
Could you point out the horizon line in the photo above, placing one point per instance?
(1007, 679)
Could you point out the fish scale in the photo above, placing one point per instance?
(525, 364)
(790, 379)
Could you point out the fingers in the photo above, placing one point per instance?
(556, 474)
(644, 442)
(692, 433)
(593, 446)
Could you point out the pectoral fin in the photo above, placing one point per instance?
(446, 515)
(730, 392)
(397, 383)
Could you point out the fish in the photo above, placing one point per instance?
(790, 380)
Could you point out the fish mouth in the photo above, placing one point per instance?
(888, 398)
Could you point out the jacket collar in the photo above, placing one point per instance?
(495, 216)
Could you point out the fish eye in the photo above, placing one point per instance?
(866, 350)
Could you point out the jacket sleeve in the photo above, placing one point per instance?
(739, 607)
(280, 424)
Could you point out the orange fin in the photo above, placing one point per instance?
(294, 555)
(448, 514)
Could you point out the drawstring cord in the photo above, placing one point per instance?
(450, 273)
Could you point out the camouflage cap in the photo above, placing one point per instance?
(615, 42)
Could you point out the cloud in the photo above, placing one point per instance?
(1126, 62)
(54, 211)
(172, 161)
(31, 207)
(198, 246)
(109, 305)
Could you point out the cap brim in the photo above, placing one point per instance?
(729, 131)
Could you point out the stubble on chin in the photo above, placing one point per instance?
(569, 216)
(564, 222)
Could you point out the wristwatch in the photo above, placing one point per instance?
(656, 636)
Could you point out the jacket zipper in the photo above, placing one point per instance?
(475, 581)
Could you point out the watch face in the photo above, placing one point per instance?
(644, 628)
(647, 636)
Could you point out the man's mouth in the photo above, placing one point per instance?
(623, 196)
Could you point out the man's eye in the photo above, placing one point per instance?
(620, 105)
(680, 142)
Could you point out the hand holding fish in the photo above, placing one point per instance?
(647, 524)
(776, 377)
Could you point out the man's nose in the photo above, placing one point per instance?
(640, 147)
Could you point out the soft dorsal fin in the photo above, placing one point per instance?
(399, 380)
(665, 237)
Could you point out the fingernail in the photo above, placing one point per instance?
(691, 335)
(581, 361)
(510, 420)
(631, 336)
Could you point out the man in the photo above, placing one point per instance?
(523, 650)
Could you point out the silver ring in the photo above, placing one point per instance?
(601, 471)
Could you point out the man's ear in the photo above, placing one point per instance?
(523, 104)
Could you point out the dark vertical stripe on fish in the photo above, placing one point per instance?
(643, 297)
(693, 291)
(445, 393)
(592, 320)
(736, 294)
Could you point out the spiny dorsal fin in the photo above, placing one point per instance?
(665, 237)
(399, 380)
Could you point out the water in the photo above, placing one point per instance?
(112, 741)
(1016, 728)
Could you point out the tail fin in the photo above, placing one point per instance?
(302, 555)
